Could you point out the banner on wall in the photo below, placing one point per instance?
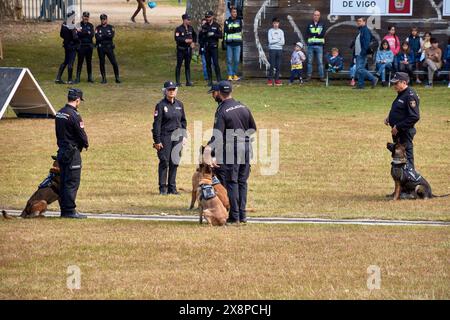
(446, 8)
(372, 7)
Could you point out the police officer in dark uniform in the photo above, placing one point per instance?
(71, 139)
(404, 114)
(231, 142)
(169, 133)
(104, 35)
(185, 37)
(209, 37)
(86, 36)
(70, 43)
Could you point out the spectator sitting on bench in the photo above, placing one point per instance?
(335, 62)
(426, 44)
(384, 61)
(297, 59)
(405, 60)
(447, 60)
(415, 44)
(433, 60)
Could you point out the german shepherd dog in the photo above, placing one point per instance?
(211, 207)
(406, 178)
(219, 189)
(47, 193)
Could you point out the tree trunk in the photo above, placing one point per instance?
(10, 9)
(197, 8)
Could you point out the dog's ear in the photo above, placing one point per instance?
(390, 146)
(54, 158)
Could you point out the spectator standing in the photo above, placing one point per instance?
(315, 34)
(393, 40)
(415, 45)
(297, 59)
(276, 43)
(233, 41)
(362, 46)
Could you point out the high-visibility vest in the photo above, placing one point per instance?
(231, 36)
(315, 31)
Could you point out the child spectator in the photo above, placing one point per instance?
(405, 60)
(276, 43)
(335, 62)
(384, 61)
(447, 60)
(426, 44)
(297, 59)
(433, 60)
(393, 40)
(415, 44)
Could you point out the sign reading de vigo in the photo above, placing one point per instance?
(371, 7)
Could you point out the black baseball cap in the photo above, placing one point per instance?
(214, 87)
(103, 16)
(170, 85)
(74, 94)
(209, 14)
(186, 17)
(86, 14)
(400, 76)
(225, 86)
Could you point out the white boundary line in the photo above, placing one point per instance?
(272, 220)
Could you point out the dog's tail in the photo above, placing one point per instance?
(6, 215)
(441, 196)
(250, 210)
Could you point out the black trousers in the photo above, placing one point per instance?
(221, 174)
(406, 137)
(168, 162)
(85, 52)
(108, 52)
(70, 181)
(212, 54)
(183, 54)
(70, 54)
(236, 184)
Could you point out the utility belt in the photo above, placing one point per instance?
(106, 45)
(211, 45)
(87, 45)
(183, 48)
(70, 155)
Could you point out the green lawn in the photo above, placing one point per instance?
(333, 161)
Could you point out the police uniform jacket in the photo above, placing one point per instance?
(69, 36)
(104, 36)
(70, 129)
(86, 34)
(168, 117)
(405, 112)
(182, 34)
(210, 35)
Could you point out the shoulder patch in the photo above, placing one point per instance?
(177, 34)
(412, 103)
(81, 124)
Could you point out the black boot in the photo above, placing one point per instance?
(188, 78)
(90, 80)
(69, 78)
(177, 77)
(104, 78)
(118, 79)
(163, 190)
(59, 75)
(77, 79)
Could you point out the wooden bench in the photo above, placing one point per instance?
(437, 73)
(347, 72)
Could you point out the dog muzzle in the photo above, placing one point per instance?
(398, 161)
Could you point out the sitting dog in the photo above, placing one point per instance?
(47, 193)
(219, 189)
(211, 207)
(406, 178)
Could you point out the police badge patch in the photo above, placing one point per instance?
(156, 113)
(166, 109)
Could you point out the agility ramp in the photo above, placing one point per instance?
(252, 220)
(20, 90)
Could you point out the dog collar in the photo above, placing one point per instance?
(398, 161)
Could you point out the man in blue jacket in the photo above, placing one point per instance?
(362, 46)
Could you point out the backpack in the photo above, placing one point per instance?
(373, 45)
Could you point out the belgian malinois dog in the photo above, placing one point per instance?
(47, 193)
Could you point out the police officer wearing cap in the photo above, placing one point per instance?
(86, 35)
(104, 35)
(71, 139)
(71, 43)
(209, 37)
(231, 143)
(169, 134)
(185, 37)
(404, 114)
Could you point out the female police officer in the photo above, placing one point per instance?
(169, 132)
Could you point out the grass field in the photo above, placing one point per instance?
(141, 260)
(333, 163)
